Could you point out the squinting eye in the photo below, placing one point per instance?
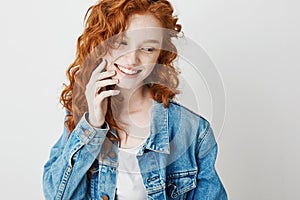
(148, 49)
(123, 43)
(120, 43)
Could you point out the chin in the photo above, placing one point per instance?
(128, 86)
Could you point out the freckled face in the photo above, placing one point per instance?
(137, 51)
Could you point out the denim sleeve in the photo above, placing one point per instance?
(64, 175)
(209, 185)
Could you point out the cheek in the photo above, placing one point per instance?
(151, 59)
(150, 68)
(156, 56)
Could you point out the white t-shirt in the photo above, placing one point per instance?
(129, 179)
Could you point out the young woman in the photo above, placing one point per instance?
(125, 137)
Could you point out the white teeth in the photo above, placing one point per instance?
(127, 71)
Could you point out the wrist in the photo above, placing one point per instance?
(93, 122)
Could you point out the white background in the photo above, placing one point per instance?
(254, 44)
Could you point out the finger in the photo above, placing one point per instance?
(105, 94)
(108, 75)
(104, 83)
(99, 68)
(105, 75)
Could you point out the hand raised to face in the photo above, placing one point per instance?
(97, 93)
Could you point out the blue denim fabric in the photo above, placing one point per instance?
(177, 160)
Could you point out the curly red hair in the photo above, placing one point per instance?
(102, 21)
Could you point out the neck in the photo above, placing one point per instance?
(131, 100)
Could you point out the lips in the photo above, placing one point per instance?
(127, 71)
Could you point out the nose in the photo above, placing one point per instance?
(132, 57)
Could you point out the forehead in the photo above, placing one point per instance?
(145, 20)
(144, 26)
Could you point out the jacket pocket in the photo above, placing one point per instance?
(179, 183)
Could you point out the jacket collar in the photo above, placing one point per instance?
(158, 139)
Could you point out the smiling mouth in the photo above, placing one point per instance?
(127, 71)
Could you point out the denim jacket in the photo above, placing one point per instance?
(176, 162)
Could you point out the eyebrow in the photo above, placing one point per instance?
(152, 41)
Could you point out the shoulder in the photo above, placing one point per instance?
(185, 117)
(176, 108)
(190, 128)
